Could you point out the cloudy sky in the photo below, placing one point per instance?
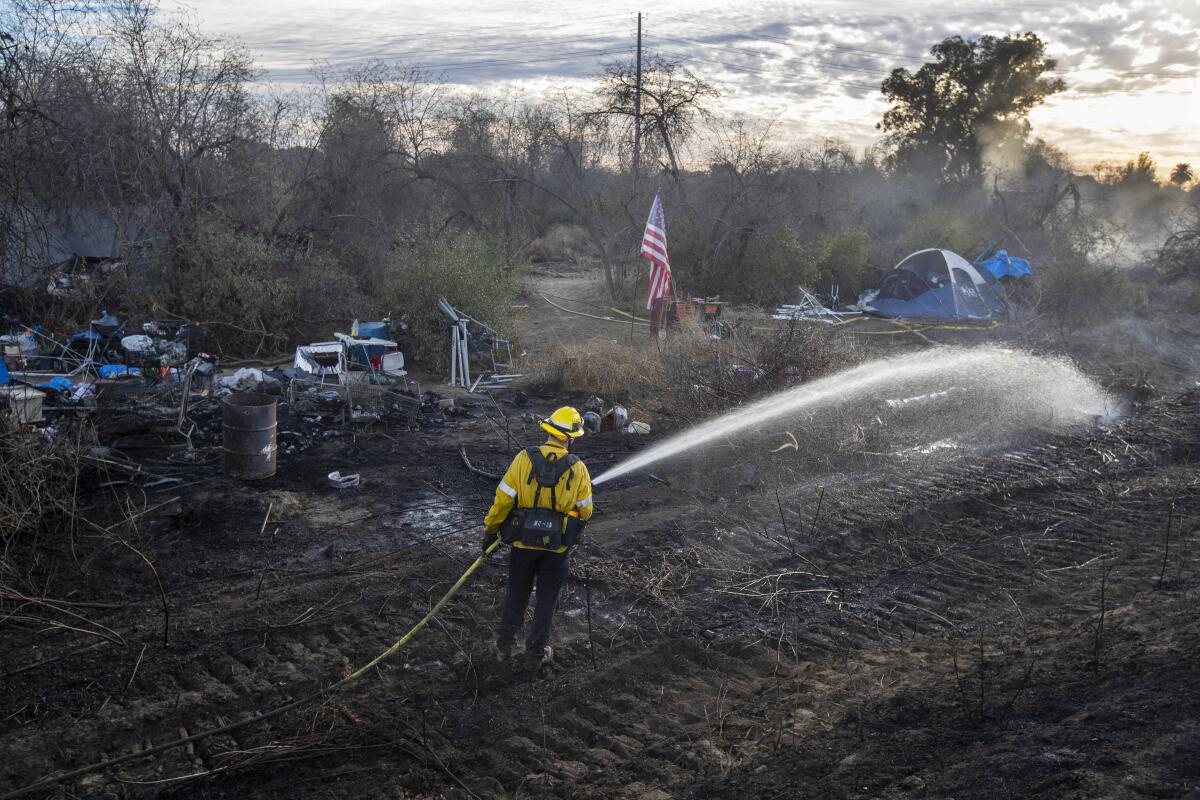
(1132, 66)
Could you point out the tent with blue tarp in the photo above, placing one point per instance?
(1002, 265)
(939, 285)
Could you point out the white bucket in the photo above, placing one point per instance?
(23, 402)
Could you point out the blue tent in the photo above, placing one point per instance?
(1002, 265)
(937, 284)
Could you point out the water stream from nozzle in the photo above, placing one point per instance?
(1025, 384)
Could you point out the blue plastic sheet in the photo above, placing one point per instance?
(109, 371)
(1002, 265)
(57, 384)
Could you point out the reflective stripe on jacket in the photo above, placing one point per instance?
(573, 492)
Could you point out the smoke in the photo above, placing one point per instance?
(1002, 150)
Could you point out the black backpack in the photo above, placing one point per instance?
(544, 528)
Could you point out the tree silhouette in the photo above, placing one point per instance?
(1182, 175)
(673, 97)
(975, 93)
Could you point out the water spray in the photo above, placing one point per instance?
(1053, 388)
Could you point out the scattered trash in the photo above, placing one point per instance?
(593, 403)
(746, 375)
(57, 384)
(138, 343)
(19, 345)
(702, 311)
(467, 336)
(591, 422)
(150, 387)
(614, 419)
(517, 400)
(203, 369)
(321, 360)
(339, 481)
(640, 428)
(392, 364)
(249, 379)
(114, 371)
(22, 404)
(811, 309)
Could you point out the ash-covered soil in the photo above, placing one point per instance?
(1011, 623)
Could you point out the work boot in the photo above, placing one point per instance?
(504, 653)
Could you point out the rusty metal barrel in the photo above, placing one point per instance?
(249, 436)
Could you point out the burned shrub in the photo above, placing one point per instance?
(37, 486)
(1083, 284)
(1179, 257)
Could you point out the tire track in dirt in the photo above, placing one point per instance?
(902, 564)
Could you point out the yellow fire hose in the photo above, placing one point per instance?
(51, 780)
(406, 638)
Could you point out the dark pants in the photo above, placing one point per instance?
(525, 568)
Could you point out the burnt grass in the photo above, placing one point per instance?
(1010, 623)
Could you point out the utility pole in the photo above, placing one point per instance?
(637, 108)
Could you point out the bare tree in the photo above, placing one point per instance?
(188, 95)
(673, 100)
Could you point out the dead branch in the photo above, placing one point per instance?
(462, 452)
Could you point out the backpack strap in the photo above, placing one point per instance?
(546, 473)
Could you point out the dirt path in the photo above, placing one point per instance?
(545, 324)
(1016, 624)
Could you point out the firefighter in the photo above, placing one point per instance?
(541, 506)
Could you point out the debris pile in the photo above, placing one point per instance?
(470, 337)
(811, 309)
(145, 391)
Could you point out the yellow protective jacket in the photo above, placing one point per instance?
(573, 492)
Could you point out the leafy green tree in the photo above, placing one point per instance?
(1182, 175)
(974, 94)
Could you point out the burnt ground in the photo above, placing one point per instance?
(1001, 626)
(1013, 622)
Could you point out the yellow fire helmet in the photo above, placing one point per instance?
(565, 423)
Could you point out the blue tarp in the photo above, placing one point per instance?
(3, 372)
(57, 384)
(1002, 265)
(108, 371)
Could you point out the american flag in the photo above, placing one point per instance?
(654, 247)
